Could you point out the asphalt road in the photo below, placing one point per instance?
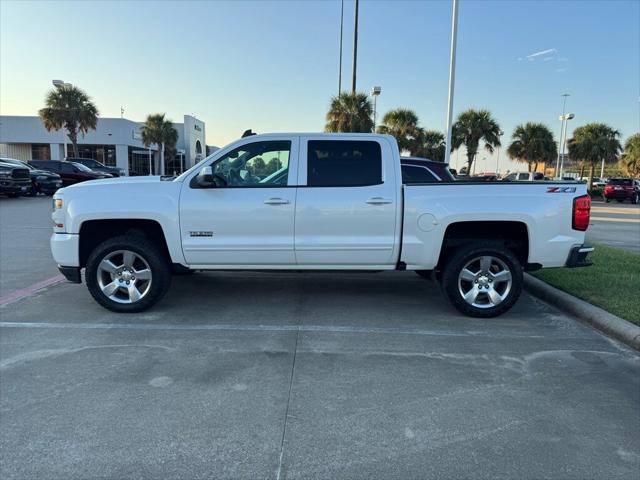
(615, 224)
(316, 375)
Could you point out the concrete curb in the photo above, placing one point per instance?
(604, 321)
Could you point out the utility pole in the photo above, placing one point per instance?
(452, 79)
(355, 50)
(341, 29)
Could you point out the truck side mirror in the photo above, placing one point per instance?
(205, 178)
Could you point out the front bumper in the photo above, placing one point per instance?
(49, 186)
(65, 248)
(11, 186)
(578, 256)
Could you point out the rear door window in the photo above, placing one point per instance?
(343, 163)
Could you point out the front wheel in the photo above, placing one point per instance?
(127, 274)
(482, 280)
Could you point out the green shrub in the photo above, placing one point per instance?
(596, 192)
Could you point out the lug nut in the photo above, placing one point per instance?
(133, 278)
(128, 282)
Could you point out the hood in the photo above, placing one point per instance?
(115, 181)
(44, 173)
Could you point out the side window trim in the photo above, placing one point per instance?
(424, 167)
(292, 173)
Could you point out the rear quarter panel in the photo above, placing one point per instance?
(430, 208)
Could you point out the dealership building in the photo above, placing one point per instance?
(115, 142)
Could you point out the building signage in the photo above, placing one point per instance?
(197, 127)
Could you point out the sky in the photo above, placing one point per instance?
(273, 65)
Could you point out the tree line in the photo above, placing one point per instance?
(532, 143)
(70, 108)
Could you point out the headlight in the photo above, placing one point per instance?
(5, 173)
(41, 178)
(57, 203)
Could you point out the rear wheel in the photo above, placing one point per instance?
(634, 199)
(607, 200)
(127, 274)
(482, 280)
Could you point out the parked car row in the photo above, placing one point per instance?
(46, 176)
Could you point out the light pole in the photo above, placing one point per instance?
(565, 120)
(375, 91)
(59, 84)
(341, 28)
(564, 104)
(500, 133)
(452, 78)
(355, 49)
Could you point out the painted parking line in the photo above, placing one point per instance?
(30, 290)
(261, 328)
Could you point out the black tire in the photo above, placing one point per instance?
(634, 200)
(461, 258)
(143, 248)
(607, 200)
(620, 200)
(427, 274)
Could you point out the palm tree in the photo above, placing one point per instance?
(157, 129)
(70, 108)
(471, 127)
(630, 158)
(402, 123)
(350, 112)
(593, 143)
(431, 145)
(532, 144)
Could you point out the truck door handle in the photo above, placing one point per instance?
(379, 201)
(276, 201)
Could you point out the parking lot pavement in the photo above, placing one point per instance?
(25, 228)
(315, 375)
(615, 224)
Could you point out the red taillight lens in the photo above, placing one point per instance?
(581, 212)
(608, 188)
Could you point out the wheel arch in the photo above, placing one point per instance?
(514, 235)
(94, 232)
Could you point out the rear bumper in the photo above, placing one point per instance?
(578, 256)
(619, 194)
(71, 273)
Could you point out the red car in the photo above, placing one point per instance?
(70, 172)
(622, 189)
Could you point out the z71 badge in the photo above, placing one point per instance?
(561, 189)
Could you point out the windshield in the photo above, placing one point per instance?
(82, 167)
(620, 181)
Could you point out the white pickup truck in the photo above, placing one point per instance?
(315, 202)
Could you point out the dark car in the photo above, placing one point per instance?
(70, 172)
(41, 180)
(622, 189)
(422, 170)
(14, 181)
(96, 166)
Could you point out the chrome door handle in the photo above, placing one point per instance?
(379, 201)
(276, 201)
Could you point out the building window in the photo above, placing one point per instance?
(198, 147)
(40, 152)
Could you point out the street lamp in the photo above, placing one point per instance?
(375, 91)
(500, 133)
(61, 84)
(565, 120)
(564, 104)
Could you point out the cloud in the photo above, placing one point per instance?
(550, 52)
(562, 69)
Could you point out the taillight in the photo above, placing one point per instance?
(608, 188)
(581, 212)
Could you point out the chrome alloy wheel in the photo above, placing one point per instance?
(124, 276)
(485, 282)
